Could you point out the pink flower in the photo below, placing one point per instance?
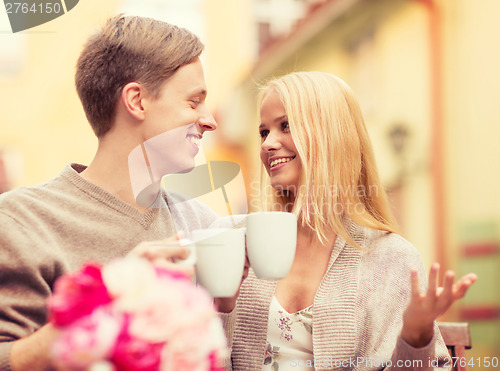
(132, 353)
(88, 340)
(135, 317)
(128, 281)
(77, 295)
(216, 363)
(163, 272)
(195, 348)
(173, 305)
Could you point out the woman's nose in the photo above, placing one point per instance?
(272, 142)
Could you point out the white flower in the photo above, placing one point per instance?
(129, 281)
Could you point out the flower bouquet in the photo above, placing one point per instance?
(131, 315)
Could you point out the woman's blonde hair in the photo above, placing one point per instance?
(339, 175)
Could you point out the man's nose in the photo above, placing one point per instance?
(207, 121)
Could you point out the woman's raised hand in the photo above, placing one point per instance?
(424, 308)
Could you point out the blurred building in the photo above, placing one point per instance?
(425, 72)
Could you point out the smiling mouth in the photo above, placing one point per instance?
(194, 138)
(280, 161)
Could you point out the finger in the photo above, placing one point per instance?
(175, 237)
(461, 287)
(247, 261)
(165, 251)
(449, 279)
(433, 274)
(138, 250)
(444, 295)
(180, 235)
(144, 246)
(415, 288)
(471, 277)
(174, 252)
(245, 274)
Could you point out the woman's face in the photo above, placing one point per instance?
(277, 151)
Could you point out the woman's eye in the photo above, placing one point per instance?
(285, 126)
(264, 133)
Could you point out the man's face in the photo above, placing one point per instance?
(176, 120)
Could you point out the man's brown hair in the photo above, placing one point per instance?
(129, 49)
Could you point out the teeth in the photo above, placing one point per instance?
(279, 161)
(194, 139)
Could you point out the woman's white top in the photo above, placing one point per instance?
(289, 339)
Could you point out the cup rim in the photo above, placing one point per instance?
(212, 232)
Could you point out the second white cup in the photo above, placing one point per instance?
(271, 243)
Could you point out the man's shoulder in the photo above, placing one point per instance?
(27, 200)
(19, 197)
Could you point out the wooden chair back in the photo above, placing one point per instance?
(456, 336)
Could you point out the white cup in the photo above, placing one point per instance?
(271, 243)
(220, 259)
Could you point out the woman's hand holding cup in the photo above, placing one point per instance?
(226, 305)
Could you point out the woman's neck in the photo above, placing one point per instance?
(309, 238)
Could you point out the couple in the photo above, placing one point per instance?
(141, 83)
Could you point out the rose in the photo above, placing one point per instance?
(132, 353)
(87, 340)
(172, 304)
(78, 294)
(163, 272)
(137, 317)
(196, 348)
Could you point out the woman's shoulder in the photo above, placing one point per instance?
(389, 249)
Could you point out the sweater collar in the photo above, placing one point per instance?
(72, 173)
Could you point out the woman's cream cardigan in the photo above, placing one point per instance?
(357, 310)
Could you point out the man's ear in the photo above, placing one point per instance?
(131, 97)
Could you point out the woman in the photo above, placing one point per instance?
(355, 296)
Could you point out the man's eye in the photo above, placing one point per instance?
(264, 133)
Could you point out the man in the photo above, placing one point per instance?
(137, 79)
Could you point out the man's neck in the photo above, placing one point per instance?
(110, 170)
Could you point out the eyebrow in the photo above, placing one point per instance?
(275, 120)
(199, 91)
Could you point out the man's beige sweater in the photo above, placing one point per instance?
(53, 228)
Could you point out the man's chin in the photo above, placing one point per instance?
(185, 169)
